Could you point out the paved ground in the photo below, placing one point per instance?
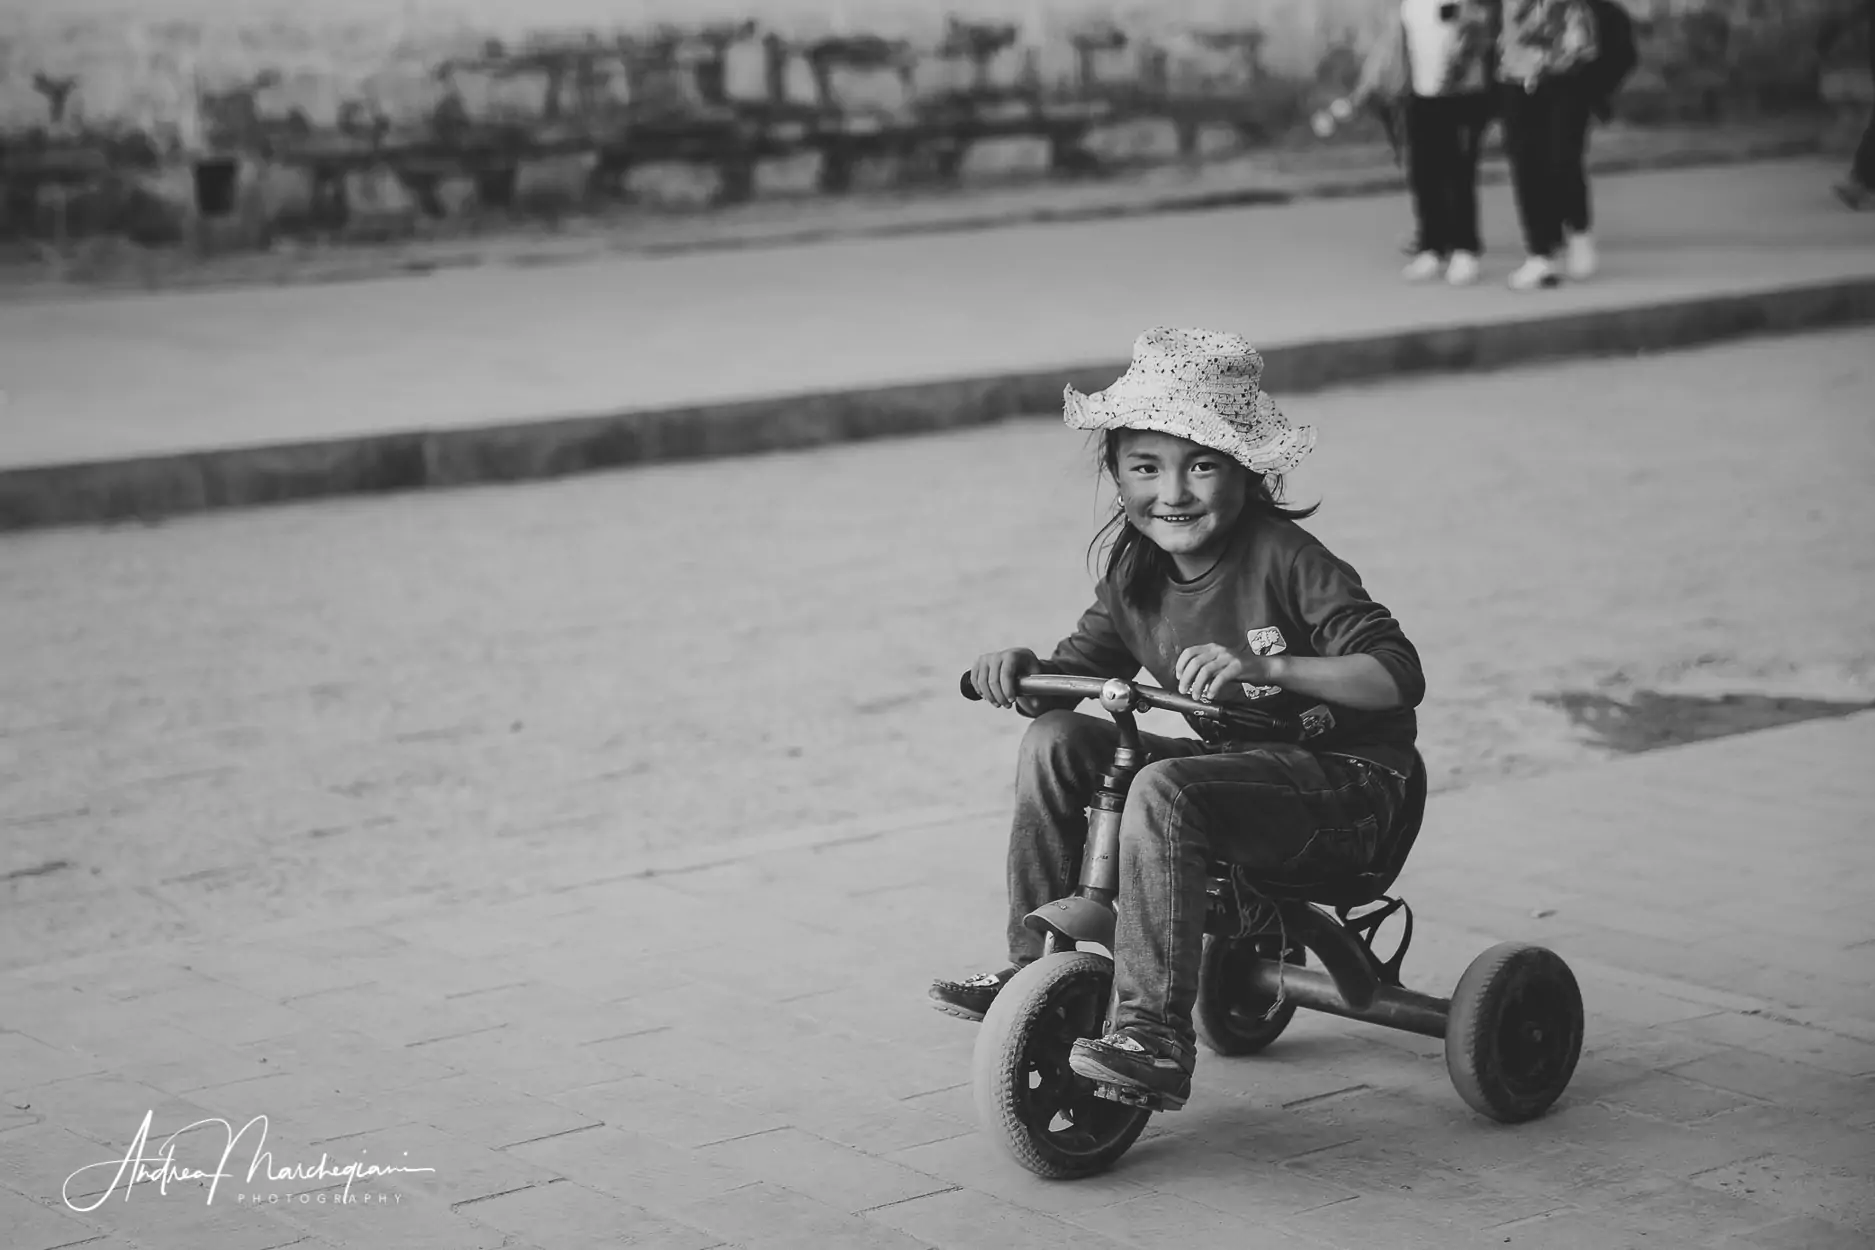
(89, 379)
(739, 1055)
(343, 815)
(356, 700)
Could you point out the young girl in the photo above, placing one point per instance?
(1435, 64)
(1204, 560)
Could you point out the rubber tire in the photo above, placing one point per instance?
(1213, 1016)
(999, 1079)
(1497, 982)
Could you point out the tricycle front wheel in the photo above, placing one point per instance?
(1028, 1099)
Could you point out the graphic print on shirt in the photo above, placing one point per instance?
(1265, 641)
(1269, 640)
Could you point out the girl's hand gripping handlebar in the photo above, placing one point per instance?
(1116, 694)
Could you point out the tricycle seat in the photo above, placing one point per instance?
(1348, 890)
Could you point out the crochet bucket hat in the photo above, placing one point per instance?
(1202, 385)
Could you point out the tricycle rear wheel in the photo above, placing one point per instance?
(1230, 1017)
(1037, 1108)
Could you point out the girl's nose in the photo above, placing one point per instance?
(1174, 488)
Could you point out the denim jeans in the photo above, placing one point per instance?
(1268, 806)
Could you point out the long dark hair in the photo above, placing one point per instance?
(1135, 564)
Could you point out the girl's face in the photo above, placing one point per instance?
(1182, 496)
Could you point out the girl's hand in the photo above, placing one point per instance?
(1207, 670)
(996, 672)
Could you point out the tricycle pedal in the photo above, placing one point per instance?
(1133, 1097)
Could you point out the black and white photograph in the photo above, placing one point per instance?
(937, 624)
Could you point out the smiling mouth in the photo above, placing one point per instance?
(1177, 518)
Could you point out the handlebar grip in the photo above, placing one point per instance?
(968, 689)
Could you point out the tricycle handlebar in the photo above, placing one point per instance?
(1119, 695)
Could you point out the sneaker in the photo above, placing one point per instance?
(971, 997)
(1854, 195)
(1462, 269)
(1162, 1080)
(1537, 271)
(1581, 262)
(1423, 266)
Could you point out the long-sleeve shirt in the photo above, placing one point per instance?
(1274, 575)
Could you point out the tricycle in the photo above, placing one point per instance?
(1512, 1028)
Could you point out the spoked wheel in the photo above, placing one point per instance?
(1514, 1032)
(1027, 1097)
(1232, 1018)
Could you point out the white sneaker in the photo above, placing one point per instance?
(1423, 266)
(1581, 260)
(1537, 271)
(1462, 270)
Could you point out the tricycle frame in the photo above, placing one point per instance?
(1356, 985)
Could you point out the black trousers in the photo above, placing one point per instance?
(1864, 167)
(1443, 134)
(1546, 133)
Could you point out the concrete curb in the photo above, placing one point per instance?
(150, 487)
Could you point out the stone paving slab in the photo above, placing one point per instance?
(780, 1082)
(251, 396)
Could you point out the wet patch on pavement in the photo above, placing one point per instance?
(1647, 720)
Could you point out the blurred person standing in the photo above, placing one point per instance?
(1543, 48)
(1858, 189)
(1434, 64)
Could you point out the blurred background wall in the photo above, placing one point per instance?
(137, 118)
